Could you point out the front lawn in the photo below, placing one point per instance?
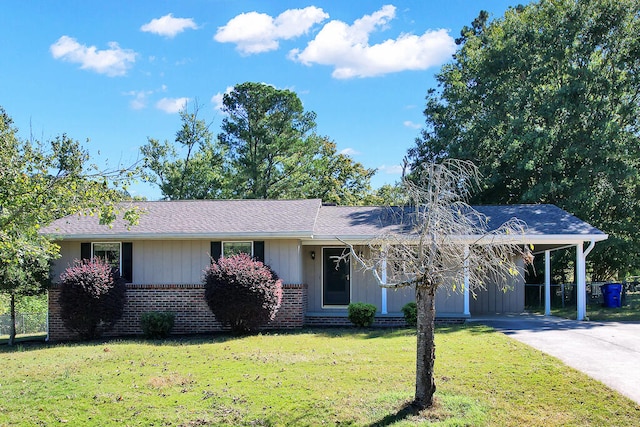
(312, 377)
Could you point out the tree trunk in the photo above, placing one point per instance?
(426, 351)
(12, 333)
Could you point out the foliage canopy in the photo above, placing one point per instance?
(267, 149)
(546, 101)
(41, 182)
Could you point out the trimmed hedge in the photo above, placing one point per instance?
(157, 324)
(410, 311)
(362, 314)
(242, 293)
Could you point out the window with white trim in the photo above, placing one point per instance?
(230, 249)
(109, 251)
(254, 249)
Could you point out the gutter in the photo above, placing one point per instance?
(540, 239)
(183, 236)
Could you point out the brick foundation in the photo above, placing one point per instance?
(187, 301)
(381, 321)
(194, 317)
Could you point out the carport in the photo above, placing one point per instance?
(581, 275)
(549, 229)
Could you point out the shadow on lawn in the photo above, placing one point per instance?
(29, 344)
(407, 410)
(39, 342)
(375, 333)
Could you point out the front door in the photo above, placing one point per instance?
(336, 283)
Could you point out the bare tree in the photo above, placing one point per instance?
(438, 240)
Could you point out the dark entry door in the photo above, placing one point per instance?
(336, 286)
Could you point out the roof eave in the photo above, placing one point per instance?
(512, 239)
(182, 236)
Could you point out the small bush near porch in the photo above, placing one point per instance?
(312, 377)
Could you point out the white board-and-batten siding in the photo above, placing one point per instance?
(183, 261)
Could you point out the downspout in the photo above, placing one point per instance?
(589, 249)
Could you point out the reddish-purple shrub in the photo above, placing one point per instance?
(242, 293)
(92, 297)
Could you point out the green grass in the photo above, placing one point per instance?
(629, 312)
(312, 377)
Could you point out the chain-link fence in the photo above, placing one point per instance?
(26, 323)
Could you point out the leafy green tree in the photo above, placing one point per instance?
(39, 183)
(388, 195)
(267, 149)
(24, 272)
(193, 170)
(266, 133)
(546, 101)
(328, 175)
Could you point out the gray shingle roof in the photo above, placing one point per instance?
(371, 221)
(304, 219)
(351, 221)
(540, 219)
(202, 218)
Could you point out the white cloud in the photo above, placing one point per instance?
(216, 99)
(391, 169)
(168, 26)
(172, 105)
(347, 48)
(255, 32)
(412, 125)
(113, 61)
(349, 152)
(139, 100)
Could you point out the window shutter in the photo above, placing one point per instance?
(85, 250)
(216, 250)
(127, 261)
(258, 250)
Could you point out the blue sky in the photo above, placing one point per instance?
(117, 72)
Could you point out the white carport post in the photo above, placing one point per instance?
(383, 279)
(581, 279)
(466, 311)
(547, 283)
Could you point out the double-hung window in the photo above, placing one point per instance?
(225, 249)
(230, 249)
(118, 255)
(111, 252)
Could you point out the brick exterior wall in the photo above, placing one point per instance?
(187, 301)
(194, 317)
(293, 308)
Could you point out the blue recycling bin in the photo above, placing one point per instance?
(611, 293)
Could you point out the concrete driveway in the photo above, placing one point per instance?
(606, 351)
